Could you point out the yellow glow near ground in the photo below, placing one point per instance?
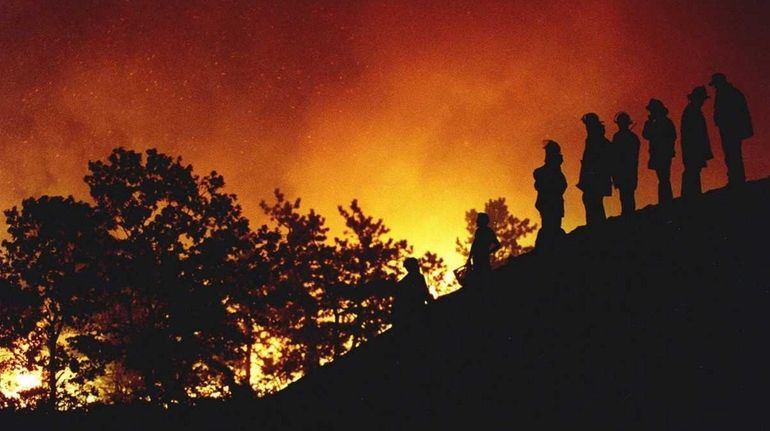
(27, 381)
(11, 384)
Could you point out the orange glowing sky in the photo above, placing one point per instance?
(419, 109)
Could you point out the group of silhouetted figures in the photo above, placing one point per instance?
(413, 293)
(615, 163)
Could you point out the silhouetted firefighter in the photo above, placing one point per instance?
(660, 131)
(625, 171)
(484, 243)
(550, 185)
(696, 149)
(731, 115)
(595, 181)
(412, 292)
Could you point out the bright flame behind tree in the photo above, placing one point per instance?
(25, 380)
(421, 111)
(14, 382)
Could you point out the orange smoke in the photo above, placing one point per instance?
(420, 111)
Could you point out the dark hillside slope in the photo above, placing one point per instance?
(661, 320)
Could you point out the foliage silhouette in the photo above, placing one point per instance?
(298, 271)
(53, 268)
(161, 293)
(178, 237)
(367, 259)
(510, 230)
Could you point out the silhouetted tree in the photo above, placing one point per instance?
(177, 240)
(435, 270)
(510, 230)
(160, 292)
(52, 264)
(18, 313)
(370, 262)
(300, 268)
(250, 305)
(8, 403)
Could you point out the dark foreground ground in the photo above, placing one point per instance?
(658, 321)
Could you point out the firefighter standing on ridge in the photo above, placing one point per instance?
(595, 181)
(731, 115)
(625, 172)
(659, 130)
(696, 149)
(550, 185)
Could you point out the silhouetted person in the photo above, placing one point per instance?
(550, 185)
(660, 131)
(595, 181)
(696, 148)
(484, 243)
(731, 114)
(625, 172)
(412, 294)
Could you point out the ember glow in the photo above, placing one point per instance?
(26, 381)
(420, 111)
(11, 384)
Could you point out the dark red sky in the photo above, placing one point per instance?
(420, 109)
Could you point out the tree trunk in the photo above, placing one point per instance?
(337, 347)
(249, 350)
(311, 345)
(51, 366)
